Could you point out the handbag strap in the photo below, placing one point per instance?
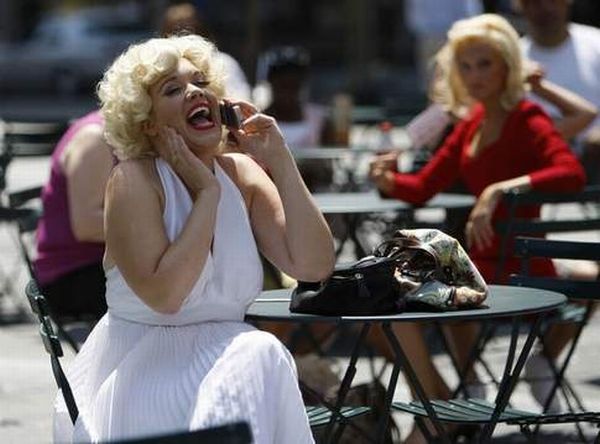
(400, 243)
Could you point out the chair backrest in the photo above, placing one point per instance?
(74, 331)
(528, 248)
(32, 138)
(19, 198)
(26, 219)
(569, 222)
(235, 433)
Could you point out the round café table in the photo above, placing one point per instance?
(502, 302)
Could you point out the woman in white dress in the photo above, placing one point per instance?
(184, 224)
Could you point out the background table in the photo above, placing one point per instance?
(347, 163)
(503, 301)
(356, 206)
(329, 153)
(372, 202)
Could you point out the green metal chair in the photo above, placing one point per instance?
(473, 411)
(581, 294)
(26, 216)
(235, 433)
(514, 226)
(478, 412)
(32, 138)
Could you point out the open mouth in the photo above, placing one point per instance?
(200, 117)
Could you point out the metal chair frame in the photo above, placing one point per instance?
(513, 227)
(575, 290)
(73, 331)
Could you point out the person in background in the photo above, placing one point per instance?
(569, 55)
(184, 226)
(286, 71)
(575, 113)
(70, 233)
(504, 143)
(428, 129)
(184, 18)
(303, 124)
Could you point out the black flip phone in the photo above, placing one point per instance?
(231, 115)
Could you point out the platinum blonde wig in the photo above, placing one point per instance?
(124, 89)
(493, 30)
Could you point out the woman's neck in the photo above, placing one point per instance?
(551, 38)
(494, 110)
(207, 158)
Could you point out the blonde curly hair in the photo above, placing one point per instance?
(124, 89)
(448, 88)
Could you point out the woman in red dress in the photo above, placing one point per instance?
(503, 143)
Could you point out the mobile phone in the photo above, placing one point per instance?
(231, 115)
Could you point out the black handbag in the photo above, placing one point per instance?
(416, 269)
(362, 288)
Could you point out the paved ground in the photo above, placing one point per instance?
(27, 388)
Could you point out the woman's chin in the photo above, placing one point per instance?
(205, 143)
(205, 149)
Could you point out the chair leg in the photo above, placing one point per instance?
(424, 429)
(560, 382)
(62, 333)
(529, 435)
(559, 370)
(485, 334)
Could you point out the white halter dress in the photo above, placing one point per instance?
(142, 373)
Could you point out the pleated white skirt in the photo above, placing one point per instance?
(133, 380)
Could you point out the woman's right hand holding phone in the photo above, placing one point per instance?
(259, 136)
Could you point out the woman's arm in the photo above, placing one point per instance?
(160, 272)
(87, 162)
(439, 173)
(289, 228)
(576, 112)
(552, 165)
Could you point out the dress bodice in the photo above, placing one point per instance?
(231, 277)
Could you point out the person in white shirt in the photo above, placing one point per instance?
(569, 54)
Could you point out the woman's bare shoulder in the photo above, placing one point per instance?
(133, 176)
(243, 171)
(133, 195)
(240, 167)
